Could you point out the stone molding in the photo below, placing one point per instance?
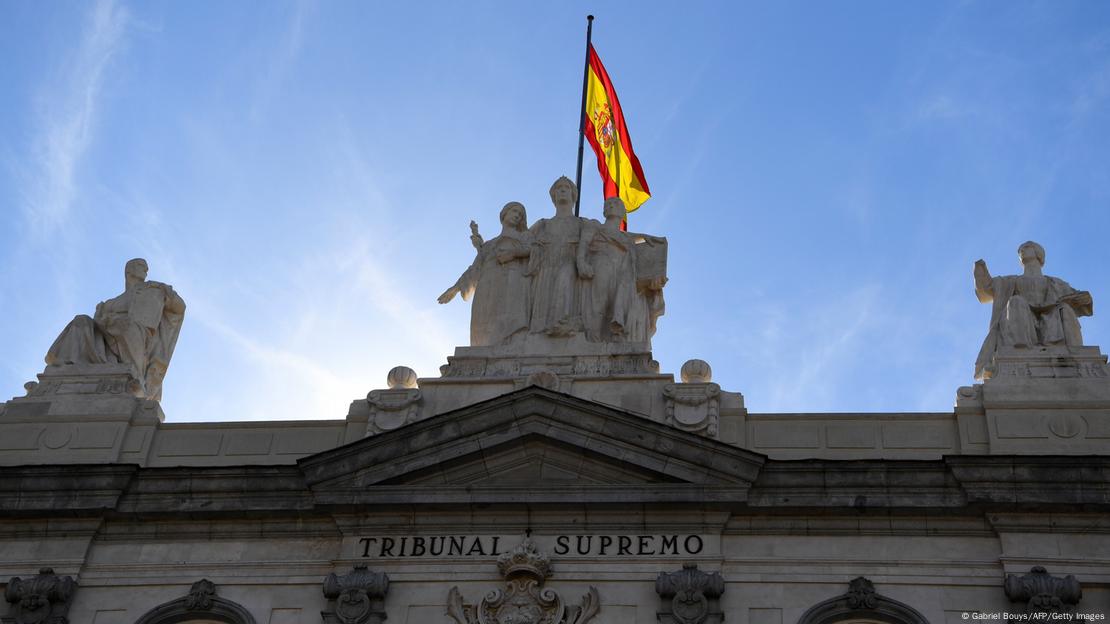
(42, 599)
(523, 599)
(863, 602)
(357, 597)
(200, 603)
(1043, 593)
(690, 596)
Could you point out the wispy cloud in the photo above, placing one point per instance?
(279, 58)
(67, 119)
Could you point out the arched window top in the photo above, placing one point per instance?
(861, 604)
(200, 606)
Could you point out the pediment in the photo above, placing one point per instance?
(532, 445)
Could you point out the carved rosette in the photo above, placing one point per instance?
(357, 597)
(523, 599)
(694, 407)
(390, 409)
(690, 596)
(1044, 593)
(41, 599)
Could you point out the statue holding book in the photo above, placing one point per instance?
(1030, 310)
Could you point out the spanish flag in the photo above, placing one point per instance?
(607, 133)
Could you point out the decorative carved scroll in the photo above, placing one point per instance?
(41, 599)
(356, 598)
(690, 596)
(523, 600)
(1042, 592)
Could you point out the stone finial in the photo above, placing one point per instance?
(525, 560)
(696, 371)
(356, 597)
(401, 378)
(690, 596)
(1042, 592)
(43, 598)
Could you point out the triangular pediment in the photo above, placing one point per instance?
(532, 445)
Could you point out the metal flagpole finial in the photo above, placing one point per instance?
(590, 17)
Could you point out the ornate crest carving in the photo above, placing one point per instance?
(523, 600)
(356, 597)
(201, 596)
(390, 409)
(694, 407)
(861, 594)
(1042, 592)
(690, 596)
(41, 599)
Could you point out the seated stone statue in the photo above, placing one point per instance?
(139, 327)
(502, 292)
(1031, 309)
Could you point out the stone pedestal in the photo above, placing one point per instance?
(1042, 400)
(88, 411)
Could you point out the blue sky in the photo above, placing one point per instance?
(303, 173)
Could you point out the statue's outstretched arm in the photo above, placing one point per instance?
(984, 284)
(475, 237)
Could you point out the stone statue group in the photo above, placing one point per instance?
(564, 276)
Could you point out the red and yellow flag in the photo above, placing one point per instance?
(607, 133)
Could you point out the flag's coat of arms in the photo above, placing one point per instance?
(603, 122)
(607, 133)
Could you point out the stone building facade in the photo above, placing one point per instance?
(552, 479)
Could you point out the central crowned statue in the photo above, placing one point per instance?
(564, 278)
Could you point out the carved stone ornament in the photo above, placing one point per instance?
(862, 602)
(355, 598)
(694, 407)
(391, 409)
(523, 600)
(690, 596)
(1042, 592)
(861, 594)
(201, 596)
(43, 598)
(201, 603)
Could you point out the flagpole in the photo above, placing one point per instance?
(582, 115)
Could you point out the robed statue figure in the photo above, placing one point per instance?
(1030, 310)
(139, 327)
(502, 297)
